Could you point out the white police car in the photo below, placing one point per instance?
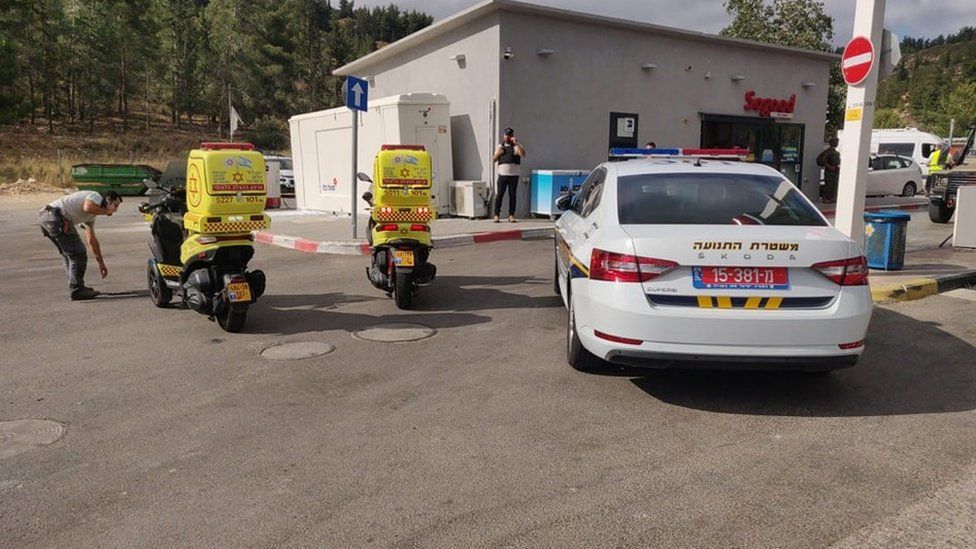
(708, 262)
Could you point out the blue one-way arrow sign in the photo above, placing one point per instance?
(357, 90)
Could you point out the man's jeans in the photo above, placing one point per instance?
(65, 237)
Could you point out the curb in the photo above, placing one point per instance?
(896, 207)
(352, 247)
(922, 287)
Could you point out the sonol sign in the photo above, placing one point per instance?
(767, 107)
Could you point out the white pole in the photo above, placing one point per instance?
(355, 168)
(230, 114)
(855, 151)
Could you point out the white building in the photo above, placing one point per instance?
(561, 79)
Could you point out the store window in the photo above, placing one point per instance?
(769, 142)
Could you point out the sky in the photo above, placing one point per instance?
(915, 18)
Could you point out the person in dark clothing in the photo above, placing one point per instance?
(508, 156)
(831, 166)
(59, 222)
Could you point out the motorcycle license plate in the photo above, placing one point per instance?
(740, 278)
(403, 258)
(238, 291)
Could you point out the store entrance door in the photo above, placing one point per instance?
(769, 142)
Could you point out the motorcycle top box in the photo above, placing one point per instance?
(401, 193)
(225, 189)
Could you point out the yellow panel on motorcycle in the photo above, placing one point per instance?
(225, 181)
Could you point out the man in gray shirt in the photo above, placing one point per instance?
(59, 221)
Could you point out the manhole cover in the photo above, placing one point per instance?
(297, 350)
(20, 435)
(396, 332)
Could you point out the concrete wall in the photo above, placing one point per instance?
(560, 104)
(470, 86)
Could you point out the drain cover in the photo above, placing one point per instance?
(20, 435)
(297, 350)
(396, 332)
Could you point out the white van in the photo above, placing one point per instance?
(908, 142)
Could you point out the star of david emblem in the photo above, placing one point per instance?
(238, 177)
(404, 172)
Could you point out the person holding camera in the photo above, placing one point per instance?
(508, 156)
(59, 221)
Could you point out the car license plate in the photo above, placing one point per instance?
(238, 291)
(403, 258)
(740, 278)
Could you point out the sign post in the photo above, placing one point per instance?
(357, 91)
(859, 65)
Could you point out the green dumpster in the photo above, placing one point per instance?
(125, 179)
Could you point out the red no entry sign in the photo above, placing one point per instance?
(857, 60)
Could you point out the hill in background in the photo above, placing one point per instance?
(934, 82)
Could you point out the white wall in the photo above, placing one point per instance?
(469, 86)
(560, 104)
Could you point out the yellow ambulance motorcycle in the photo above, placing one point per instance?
(399, 229)
(201, 237)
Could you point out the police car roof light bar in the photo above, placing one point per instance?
(714, 154)
(215, 145)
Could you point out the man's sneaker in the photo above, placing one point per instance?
(84, 293)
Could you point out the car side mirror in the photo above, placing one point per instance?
(564, 202)
(363, 177)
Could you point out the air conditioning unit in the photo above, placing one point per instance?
(469, 199)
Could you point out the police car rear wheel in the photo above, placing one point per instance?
(555, 273)
(577, 355)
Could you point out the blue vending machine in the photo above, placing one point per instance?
(548, 185)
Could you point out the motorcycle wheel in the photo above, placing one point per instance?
(403, 290)
(159, 293)
(230, 320)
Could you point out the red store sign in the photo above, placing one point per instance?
(774, 108)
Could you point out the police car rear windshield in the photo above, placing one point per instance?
(712, 199)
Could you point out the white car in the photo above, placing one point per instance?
(680, 262)
(890, 174)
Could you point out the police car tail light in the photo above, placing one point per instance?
(387, 227)
(418, 228)
(846, 272)
(614, 267)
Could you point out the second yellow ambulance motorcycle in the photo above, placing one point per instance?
(399, 226)
(201, 238)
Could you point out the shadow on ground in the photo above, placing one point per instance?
(909, 367)
(294, 314)
(475, 293)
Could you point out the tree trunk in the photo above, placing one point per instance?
(33, 107)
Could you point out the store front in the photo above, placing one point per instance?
(771, 138)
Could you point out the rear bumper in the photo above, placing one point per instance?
(662, 361)
(737, 338)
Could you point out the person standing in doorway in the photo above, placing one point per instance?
(508, 156)
(60, 220)
(831, 167)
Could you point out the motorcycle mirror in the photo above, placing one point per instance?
(564, 202)
(151, 184)
(363, 177)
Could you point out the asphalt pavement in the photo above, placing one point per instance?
(176, 433)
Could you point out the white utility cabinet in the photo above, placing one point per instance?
(321, 148)
(469, 199)
(964, 231)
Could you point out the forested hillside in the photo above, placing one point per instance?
(85, 63)
(934, 82)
